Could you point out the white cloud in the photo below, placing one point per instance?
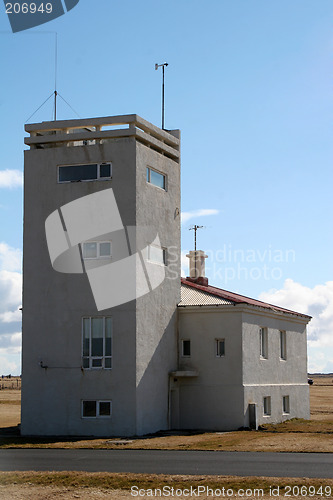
(186, 216)
(318, 303)
(10, 258)
(10, 292)
(11, 178)
(7, 366)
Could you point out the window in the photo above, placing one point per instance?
(186, 348)
(220, 347)
(263, 343)
(285, 404)
(283, 345)
(96, 249)
(157, 254)
(267, 406)
(96, 343)
(96, 409)
(89, 172)
(156, 178)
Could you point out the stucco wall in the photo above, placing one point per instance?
(156, 345)
(275, 377)
(214, 399)
(54, 304)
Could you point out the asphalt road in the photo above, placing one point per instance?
(318, 465)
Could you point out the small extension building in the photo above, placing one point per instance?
(114, 341)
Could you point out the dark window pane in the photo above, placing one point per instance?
(147, 174)
(86, 336)
(85, 362)
(220, 347)
(186, 348)
(104, 408)
(97, 336)
(105, 170)
(97, 363)
(105, 249)
(77, 173)
(89, 408)
(107, 362)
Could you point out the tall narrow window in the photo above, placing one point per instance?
(220, 347)
(263, 343)
(283, 344)
(186, 348)
(156, 178)
(286, 404)
(97, 343)
(267, 406)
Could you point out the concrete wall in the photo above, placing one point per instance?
(54, 303)
(156, 345)
(273, 376)
(214, 399)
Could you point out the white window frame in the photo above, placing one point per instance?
(182, 344)
(164, 253)
(98, 402)
(99, 178)
(285, 405)
(148, 178)
(283, 345)
(263, 338)
(217, 349)
(98, 247)
(267, 406)
(90, 357)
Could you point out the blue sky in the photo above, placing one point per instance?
(248, 84)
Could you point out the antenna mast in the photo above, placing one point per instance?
(195, 228)
(55, 76)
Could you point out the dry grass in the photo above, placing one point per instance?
(78, 484)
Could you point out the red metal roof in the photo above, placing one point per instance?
(239, 299)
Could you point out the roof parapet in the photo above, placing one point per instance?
(89, 131)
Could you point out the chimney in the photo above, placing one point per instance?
(197, 267)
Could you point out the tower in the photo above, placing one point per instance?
(101, 272)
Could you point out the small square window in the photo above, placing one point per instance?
(96, 249)
(89, 409)
(157, 254)
(220, 348)
(267, 406)
(286, 404)
(105, 170)
(96, 409)
(90, 250)
(105, 249)
(104, 408)
(156, 178)
(186, 348)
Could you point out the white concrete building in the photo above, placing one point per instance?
(114, 343)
